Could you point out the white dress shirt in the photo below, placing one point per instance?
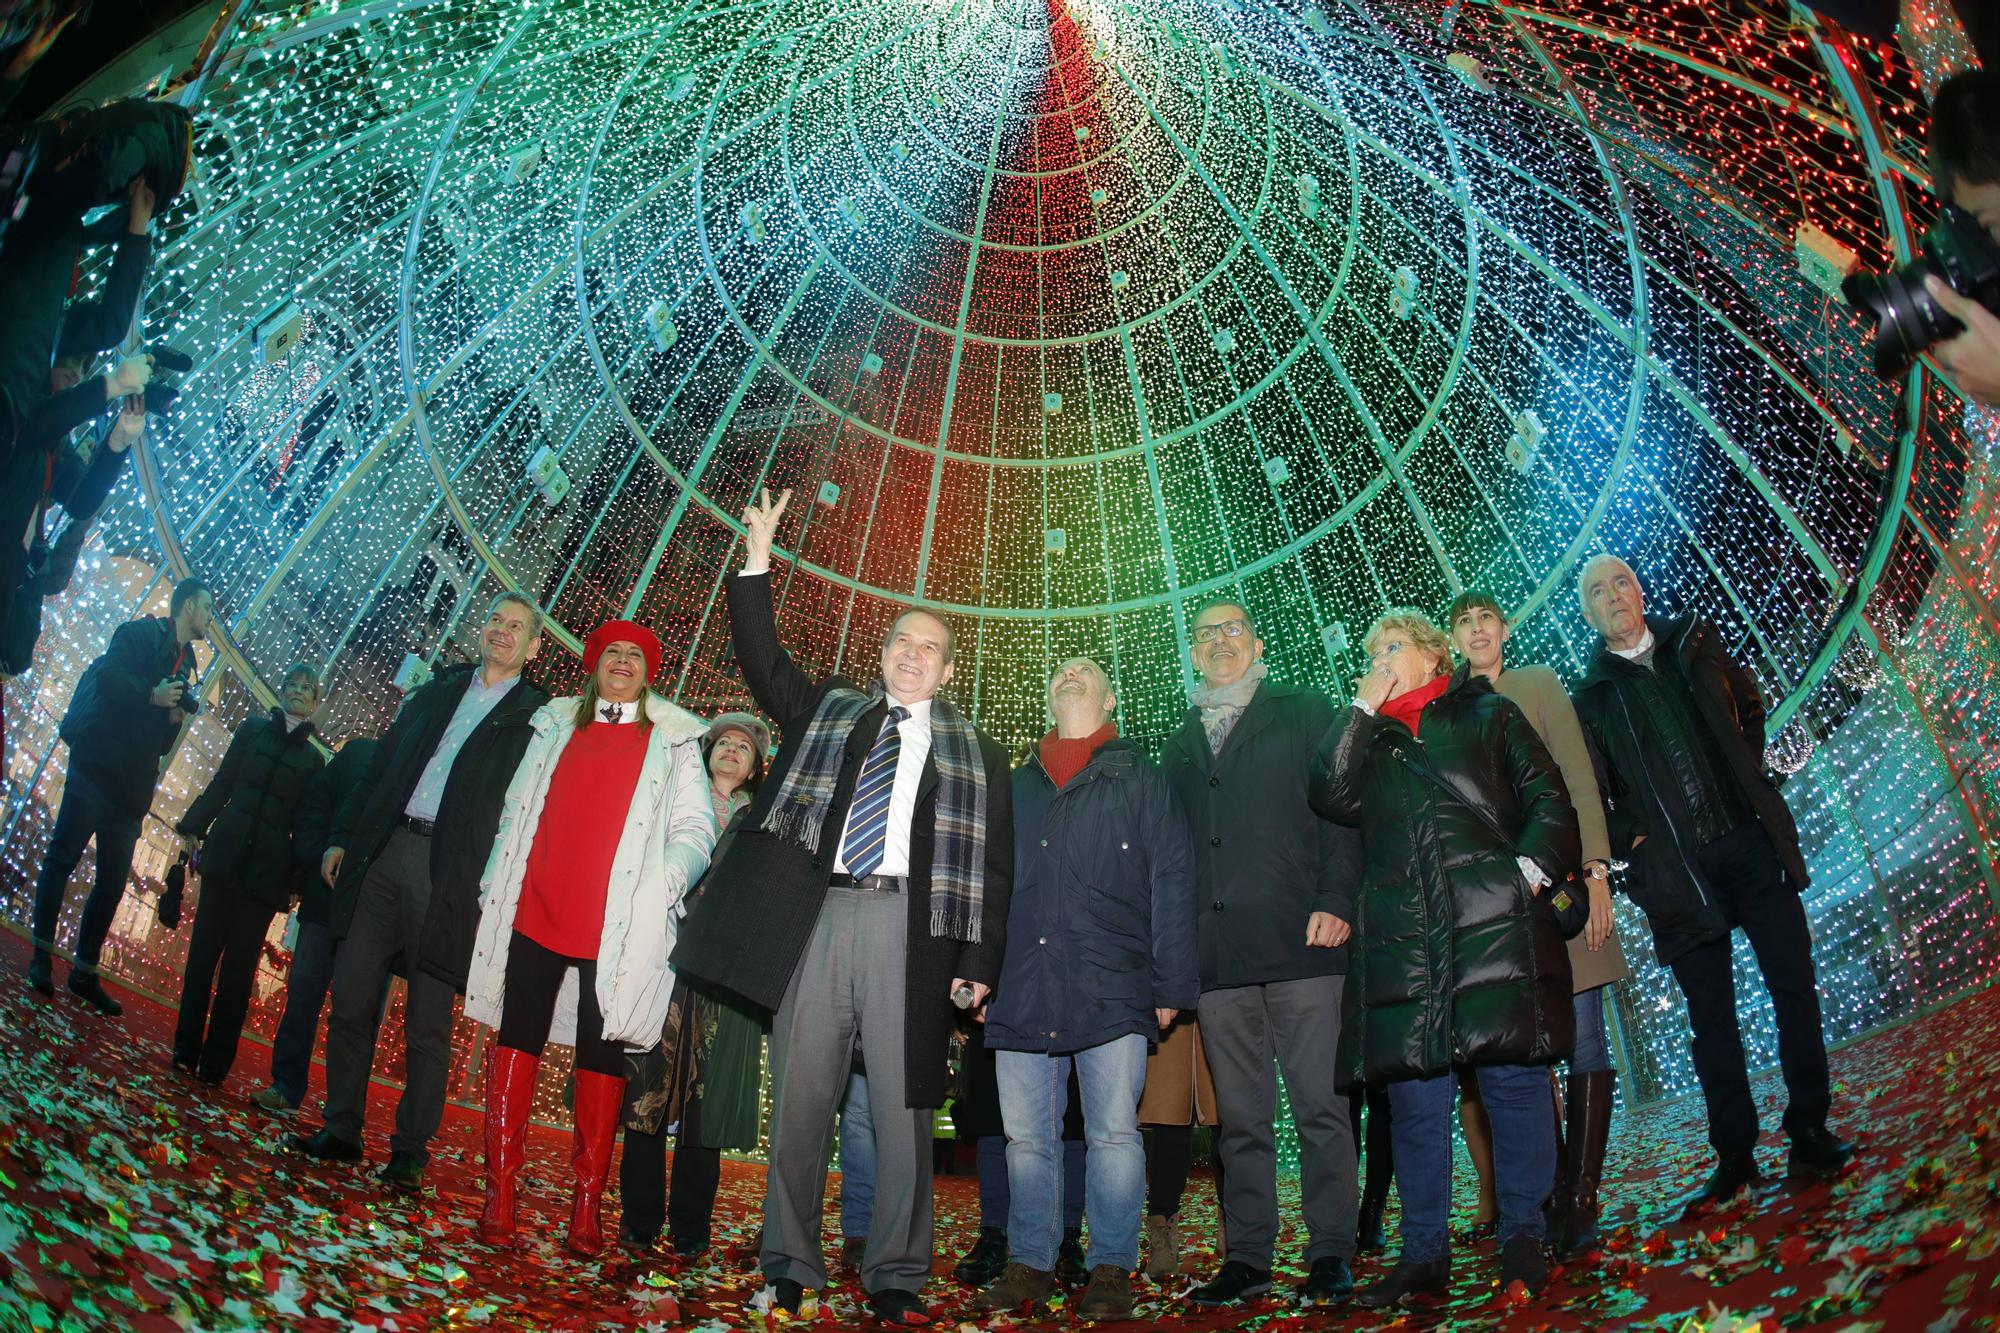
(916, 733)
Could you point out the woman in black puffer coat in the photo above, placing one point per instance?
(1457, 958)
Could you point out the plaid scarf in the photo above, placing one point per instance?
(958, 859)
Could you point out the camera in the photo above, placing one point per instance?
(161, 392)
(190, 703)
(1907, 318)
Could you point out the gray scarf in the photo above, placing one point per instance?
(1221, 705)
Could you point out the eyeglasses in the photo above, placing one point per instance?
(1386, 651)
(1233, 629)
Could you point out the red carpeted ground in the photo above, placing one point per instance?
(133, 1198)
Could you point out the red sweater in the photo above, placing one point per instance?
(583, 817)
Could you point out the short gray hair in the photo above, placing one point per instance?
(1601, 558)
(526, 603)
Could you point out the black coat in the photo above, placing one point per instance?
(1102, 920)
(246, 814)
(115, 732)
(1456, 960)
(1642, 796)
(86, 158)
(468, 815)
(1264, 863)
(762, 896)
(312, 827)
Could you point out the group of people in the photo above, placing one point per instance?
(1400, 904)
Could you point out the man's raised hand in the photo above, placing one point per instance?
(760, 524)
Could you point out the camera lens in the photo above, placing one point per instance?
(1906, 318)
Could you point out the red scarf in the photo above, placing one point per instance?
(1064, 759)
(1405, 707)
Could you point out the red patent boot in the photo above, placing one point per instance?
(598, 1099)
(510, 1087)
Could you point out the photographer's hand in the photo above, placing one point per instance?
(1972, 359)
(36, 44)
(167, 694)
(132, 376)
(131, 424)
(139, 210)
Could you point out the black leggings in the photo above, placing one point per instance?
(689, 1205)
(534, 978)
(1169, 1158)
(1376, 1154)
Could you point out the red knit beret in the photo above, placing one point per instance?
(610, 632)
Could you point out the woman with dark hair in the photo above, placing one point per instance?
(614, 778)
(1458, 960)
(701, 1084)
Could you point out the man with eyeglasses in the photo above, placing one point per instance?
(1274, 897)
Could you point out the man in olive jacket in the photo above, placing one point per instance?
(1711, 847)
(1274, 902)
(418, 830)
(864, 889)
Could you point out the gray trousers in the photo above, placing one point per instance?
(389, 921)
(1243, 1028)
(848, 984)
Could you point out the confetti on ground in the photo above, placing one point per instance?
(132, 1198)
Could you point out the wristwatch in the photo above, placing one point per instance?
(1596, 870)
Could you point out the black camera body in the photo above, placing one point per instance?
(190, 703)
(1907, 318)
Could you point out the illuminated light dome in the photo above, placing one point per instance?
(1063, 317)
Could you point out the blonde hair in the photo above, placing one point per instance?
(1427, 637)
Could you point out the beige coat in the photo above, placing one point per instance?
(1540, 694)
(1178, 1090)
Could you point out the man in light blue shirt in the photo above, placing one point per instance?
(404, 860)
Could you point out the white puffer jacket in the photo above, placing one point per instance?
(665, 847)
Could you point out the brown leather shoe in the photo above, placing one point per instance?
(1109, 1295)
(1019, 1285)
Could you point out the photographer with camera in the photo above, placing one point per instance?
(1965, 170)
(83, 160)
(123, 717)
(1946, 301)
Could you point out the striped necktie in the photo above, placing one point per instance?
(868, 816)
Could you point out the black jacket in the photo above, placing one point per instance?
(762, 896)
(1102, 922)
(1456, 961)
(115, 732)
(85, 158)
(312, 828)
(1263, 862)
(1642, 796)
(468, 815)
(245, 816)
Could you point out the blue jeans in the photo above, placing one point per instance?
(1524, 1160)
(1034, 1090)
(857, 1161)
(995, 1198)
(305, 996)
(1593, 1046)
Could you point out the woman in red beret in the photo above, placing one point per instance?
(576, 926)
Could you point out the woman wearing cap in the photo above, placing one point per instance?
(615, 776)
(701, 1082)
